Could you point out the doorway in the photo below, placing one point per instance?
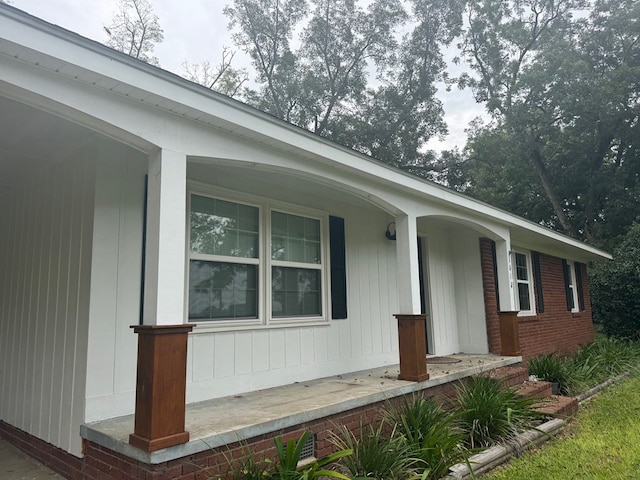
(425, 303)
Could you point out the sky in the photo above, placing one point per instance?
(196, 31)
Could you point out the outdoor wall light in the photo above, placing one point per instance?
(391, 235)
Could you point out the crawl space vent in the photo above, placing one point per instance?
(309, 449)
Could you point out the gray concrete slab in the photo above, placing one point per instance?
(17, 465)
(226, 420)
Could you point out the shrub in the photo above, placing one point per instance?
(615, 289)
(550, 368)
(289, 458)
(489, 413)
(375, 455)
(432, 434)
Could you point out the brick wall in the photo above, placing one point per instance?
(554, 330)
(104, 464)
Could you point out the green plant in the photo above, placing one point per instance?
(431, 433)
(289, 458)
(615, 289)
(488, 412)
(375, 455)
(604, 442)
(551, 368)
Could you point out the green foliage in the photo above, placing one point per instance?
(375, 454)
(289, 457)
(432, 434)
(615, 289)
(551, 368)
(489, 412)
(363, 74)
(562, 93)
(604, 442)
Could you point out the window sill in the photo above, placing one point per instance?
(210, 327)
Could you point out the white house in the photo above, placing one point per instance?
(130, 196)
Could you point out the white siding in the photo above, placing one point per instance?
(115, 282)
(45, 254)
(455, 283)
(227, 363)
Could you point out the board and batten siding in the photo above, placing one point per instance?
(115, 282)
(456, 295)
(228, 363)
(45, 265)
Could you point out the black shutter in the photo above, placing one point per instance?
(579, 286)
(338, 268)
(567, 281)
(494, 260)
(537, 277)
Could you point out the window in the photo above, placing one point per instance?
(524, 283)
(571, 286)
(295, 266)
(250, 263)
(224, 259)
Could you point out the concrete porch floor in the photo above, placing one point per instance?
(229, 419)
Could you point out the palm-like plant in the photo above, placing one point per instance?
(435, 441)
(289, 459)
(488, 412)
(375, 454)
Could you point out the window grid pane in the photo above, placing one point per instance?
(295, 238)
(219, 227)
(219, 290)
(295, 292)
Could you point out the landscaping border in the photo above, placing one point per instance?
(495, 456)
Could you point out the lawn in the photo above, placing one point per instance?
(602, 442)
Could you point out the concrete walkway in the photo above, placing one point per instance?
(17, 465)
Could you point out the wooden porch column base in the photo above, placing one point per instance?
(160, 387)
(413, 347)
(509, 335)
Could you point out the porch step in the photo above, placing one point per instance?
(510, 376)
(528, 389)
(558, 406)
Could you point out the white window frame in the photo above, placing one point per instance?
(264, 262)
(529, 282)
(573, 286)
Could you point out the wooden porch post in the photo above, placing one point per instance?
(509, 335)
(162, 345)
(413, 347)
(412, 341)
(160, 387)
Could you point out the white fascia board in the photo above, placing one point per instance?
(209, 107)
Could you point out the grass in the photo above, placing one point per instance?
(603, 442)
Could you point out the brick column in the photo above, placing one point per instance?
(160, 387)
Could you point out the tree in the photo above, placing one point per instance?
(222, 78)
(135, 30)
(562, 93)
(353, 78)
(615, 289)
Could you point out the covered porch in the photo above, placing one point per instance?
(254, 418)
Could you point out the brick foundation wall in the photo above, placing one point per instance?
(554, 330)
(104, 464)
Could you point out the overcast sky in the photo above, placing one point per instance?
(195, 31)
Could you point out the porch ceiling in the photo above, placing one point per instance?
(273, 183)
(32, 139)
